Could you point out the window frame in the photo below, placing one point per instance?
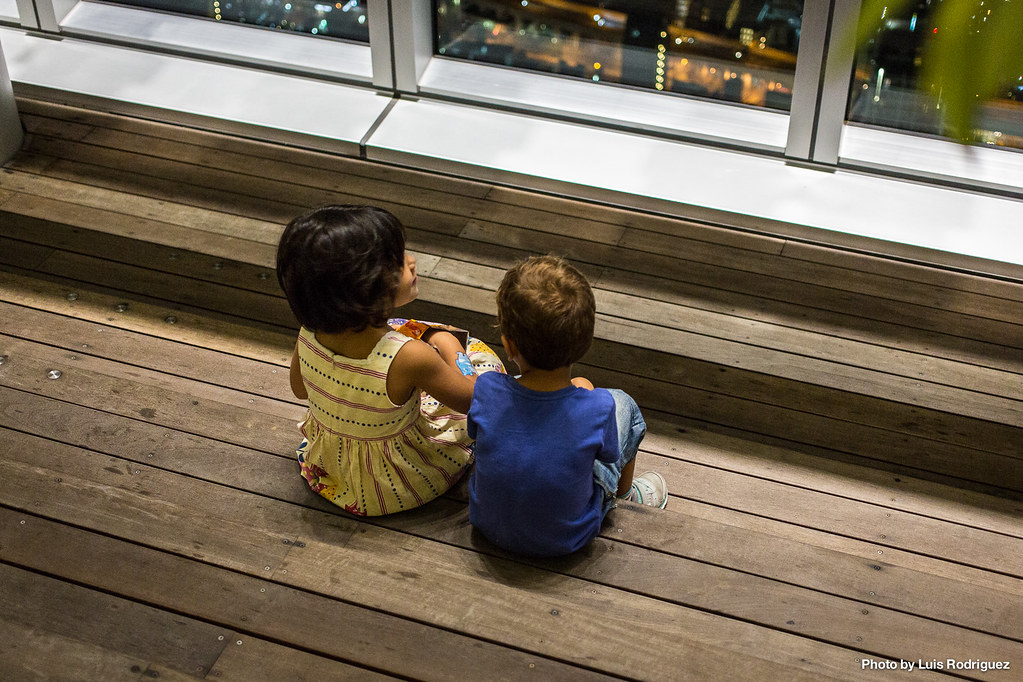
(322, 57)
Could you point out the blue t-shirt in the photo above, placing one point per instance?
(532, 490)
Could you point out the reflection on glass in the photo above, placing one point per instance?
(335, 19)
(887, 91)
(735, 50)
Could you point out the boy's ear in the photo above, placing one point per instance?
(509, 347)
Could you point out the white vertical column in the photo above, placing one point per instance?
(838, 73)
(380, 43)
(412, 26)
(49, 13)
(823, 74)
(11, 133)
(27, 14)
(813, 36)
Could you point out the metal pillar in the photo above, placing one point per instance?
(11, 133)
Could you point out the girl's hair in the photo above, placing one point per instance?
(546, 307)
(340, 267)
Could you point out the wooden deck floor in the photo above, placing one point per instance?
(841, 435)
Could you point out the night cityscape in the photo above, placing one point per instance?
(333, 19)
(736, 50)
(741, 51)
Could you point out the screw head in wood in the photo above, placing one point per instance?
(170, 319)
(3, 359)
(121, 307)
(263, 275)
(54, 374)
(72, 296)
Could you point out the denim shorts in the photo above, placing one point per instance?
(631, 429)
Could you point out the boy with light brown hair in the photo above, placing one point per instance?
(553, 453)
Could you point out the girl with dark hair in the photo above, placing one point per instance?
(386, 429)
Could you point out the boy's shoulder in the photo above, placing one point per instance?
(498, 383)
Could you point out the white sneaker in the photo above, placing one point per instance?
(650, 489)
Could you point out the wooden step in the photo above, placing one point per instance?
(894, 365)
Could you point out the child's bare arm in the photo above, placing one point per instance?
(418, 365)
(297, 385)
(446, 344)
(583, 382)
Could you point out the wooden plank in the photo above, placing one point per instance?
(53, 120)
(819, 387)
(754, 306)
(848, 365)
(263, 610)
(60, 114)
(227, 189)
(169, 234)
(118, 501)
(433, 207)
(919, 455)
(78, 194)
(915, 272)
(772, 285)
(22, 254)
(181, 184)
(700, 582)
(255, 421)
(551, 626)
(841, 479)
(630, 218)
(30, 162)
(101, 620)
(867, 567)
(162, 355)
(199, 294)
(403, 196)
(33, 654)
(252, 659)
(842, 456)
(812, 344)
(465, 592)
(157, 257)
(865, 282)
(267, 345)
(884, 526)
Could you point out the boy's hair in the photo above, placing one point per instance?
(546, 308)
(340, 267)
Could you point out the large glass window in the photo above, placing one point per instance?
(334, 19)
(734, 50)
(888, 88)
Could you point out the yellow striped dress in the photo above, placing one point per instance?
(361, 451)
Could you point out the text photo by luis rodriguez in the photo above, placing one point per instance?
(947, 664)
